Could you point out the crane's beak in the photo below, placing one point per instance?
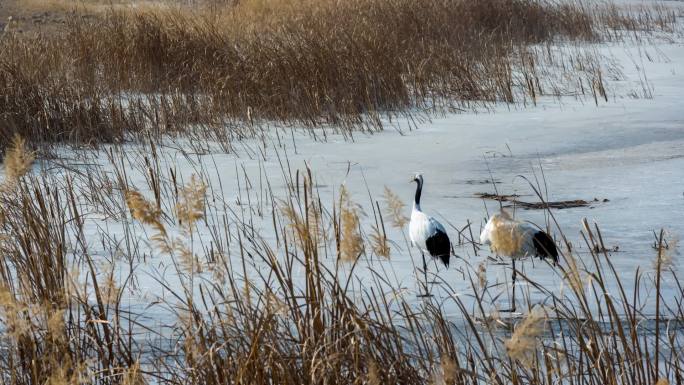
(412, 180)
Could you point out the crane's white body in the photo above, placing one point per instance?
(422, 227)
(515, 239)
(509, 237)
(426, 233)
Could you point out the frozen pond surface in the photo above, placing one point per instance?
(629, 151)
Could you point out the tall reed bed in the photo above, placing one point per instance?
(221, 70)
(287, 304)
(56, 328)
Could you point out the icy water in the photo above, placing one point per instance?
(628, 153)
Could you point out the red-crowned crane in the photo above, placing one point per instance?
(426, 233)
(516, 239)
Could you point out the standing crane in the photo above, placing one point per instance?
(515, 239)
(426, 233)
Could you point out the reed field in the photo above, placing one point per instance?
(241, 307)
(167, 214)
(220, 71)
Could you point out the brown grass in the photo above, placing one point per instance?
(61, 331)
(280, 310)
(351, 242)
(395, 209)
(17, 162)
(219, 70)
(523, 344)
(283, 310)
(666, 249)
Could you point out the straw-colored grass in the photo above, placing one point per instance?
(17, 162)
(219, 70)
(283, 310)
(280, 308)
(523, 344)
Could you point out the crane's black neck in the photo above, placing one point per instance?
(419, 188)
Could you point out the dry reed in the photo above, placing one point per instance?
(351, 242)
(285, 311)
(17, 161)
(219, 70)
(395, 209)
(522, 346)
(279, 312)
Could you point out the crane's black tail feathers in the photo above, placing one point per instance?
(439, 247)
(544, 246)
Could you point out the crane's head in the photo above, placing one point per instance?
(501, 216)
(418, 178)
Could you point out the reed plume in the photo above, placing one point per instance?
(11, 314)
(523, 343)
(373, 376)
(317, 227)
(449, 370)
(146, 212)
(573, 276)
(482, 275)
(189, 209)
(665, 251)
(395, 209)
(351, 242)
(18, 160)
(379, 242)
(133, 375)
(190, 206)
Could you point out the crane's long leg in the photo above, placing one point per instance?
(425, 283)
(513, 278)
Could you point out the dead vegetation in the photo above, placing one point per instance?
(515, 202)
(220, 71)
(289, 307)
